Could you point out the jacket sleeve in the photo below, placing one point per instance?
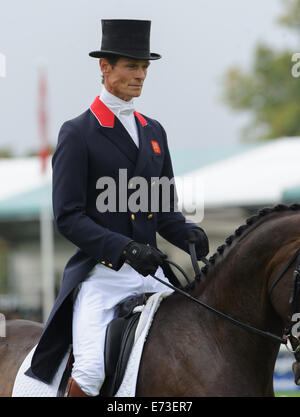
(69, 197)
(172, 225)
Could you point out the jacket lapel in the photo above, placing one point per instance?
(114, 130)
(143, 130)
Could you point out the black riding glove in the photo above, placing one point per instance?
(198, 236)
(144, 259)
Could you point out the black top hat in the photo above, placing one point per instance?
(128, 38)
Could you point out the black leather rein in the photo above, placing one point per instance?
(219, 313)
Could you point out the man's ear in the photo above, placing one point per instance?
(104, 65)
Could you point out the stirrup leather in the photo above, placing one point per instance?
(73, 389)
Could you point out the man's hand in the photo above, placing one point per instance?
(198, 236)
(144, 259)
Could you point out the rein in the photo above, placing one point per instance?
(293, 299)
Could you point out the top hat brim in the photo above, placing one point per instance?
(104, 54)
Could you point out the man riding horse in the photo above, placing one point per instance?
(116, 249)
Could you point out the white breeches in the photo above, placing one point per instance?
(93, 309)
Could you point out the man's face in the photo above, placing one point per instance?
(125, 79)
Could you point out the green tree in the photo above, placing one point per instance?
(268, 91)
(6, 153)
(291, 17)
(35, 152)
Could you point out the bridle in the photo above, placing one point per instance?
(292, 302)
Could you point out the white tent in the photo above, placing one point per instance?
(257, 177)
(25, 192)
(24, 188)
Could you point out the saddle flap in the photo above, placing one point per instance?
(118, 344)
(120, 334)
(114, 336)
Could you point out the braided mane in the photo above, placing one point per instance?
(245, 227)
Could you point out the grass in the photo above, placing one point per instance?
(288, 394)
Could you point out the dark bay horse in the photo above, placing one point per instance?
(191, 351)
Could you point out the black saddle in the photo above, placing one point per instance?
(118, 344)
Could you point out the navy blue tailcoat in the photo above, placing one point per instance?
(90, 146)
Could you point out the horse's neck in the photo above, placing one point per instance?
(237, 282)
(237, 288)
(234, 284)
(237, 361)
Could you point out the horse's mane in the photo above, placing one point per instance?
(241, 230)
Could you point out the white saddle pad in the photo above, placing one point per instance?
(25, 386)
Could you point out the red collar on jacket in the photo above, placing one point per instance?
(105, 116)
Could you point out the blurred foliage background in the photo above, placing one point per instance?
(269, 91)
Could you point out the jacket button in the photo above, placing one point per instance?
(150, 216)
(132, 217)
(147, 244)
(110, 265)
(103, 262)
